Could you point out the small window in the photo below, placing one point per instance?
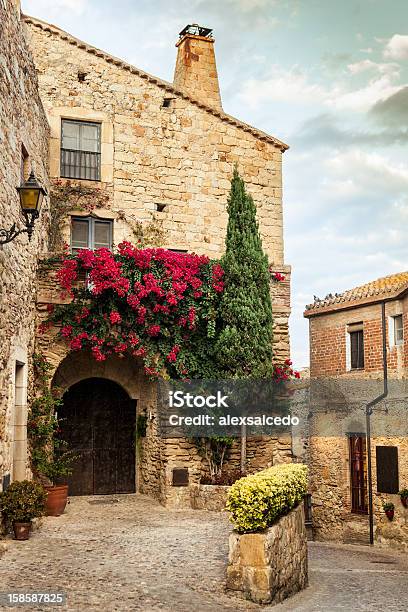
(81, 150)
(356, 349)
(398, 330)
(90, 233)
(167, 102)
(160, 207)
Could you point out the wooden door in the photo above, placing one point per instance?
(99, 422)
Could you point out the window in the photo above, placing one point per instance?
(90, 233)
(398, 329)
(81, 150)
(387, 469)
(356, 349)
(357, 450)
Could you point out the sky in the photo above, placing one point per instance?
(330, 79)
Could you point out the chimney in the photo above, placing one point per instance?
(196, 71)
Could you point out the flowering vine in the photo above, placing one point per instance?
(153, 303)
(284, 372)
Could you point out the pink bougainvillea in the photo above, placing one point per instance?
(284, 372)
(154, 304)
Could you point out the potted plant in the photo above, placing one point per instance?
(54, 468)
(388, 508)
(404, 497)
(20, 503)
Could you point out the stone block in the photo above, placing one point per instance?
(270, 566)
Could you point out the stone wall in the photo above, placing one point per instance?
(269, 566)
(23, 133)
(166, 156)
(180, 156)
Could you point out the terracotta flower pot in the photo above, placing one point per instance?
(56, 500)
(21, 530)
(404, 501)
(390, 514)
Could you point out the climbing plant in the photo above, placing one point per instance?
(154, 304)
(50, 457)
(66, 196)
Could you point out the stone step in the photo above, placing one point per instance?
(356, 529)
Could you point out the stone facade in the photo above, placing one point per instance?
(23, 146)
(269, 566)
(167, 153)
(343, 393)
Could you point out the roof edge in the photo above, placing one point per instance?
(367, 301)
(154, 80)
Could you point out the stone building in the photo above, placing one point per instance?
(151, 155)
(347, 372)
(24, 136)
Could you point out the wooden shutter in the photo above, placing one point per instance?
(387, 469)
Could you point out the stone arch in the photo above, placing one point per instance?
(125, 371)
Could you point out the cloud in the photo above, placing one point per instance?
(327, 130)
(251, 5)
(282, 86)
(397, 47)
(392, 111)
(34, 7)
(365, 97)
(295, 86)
(356, 172)
(368, 65)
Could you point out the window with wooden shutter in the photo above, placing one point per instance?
(387, 469)
(357, 349)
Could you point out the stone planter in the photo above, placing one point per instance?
(208, 497)
(269, 566)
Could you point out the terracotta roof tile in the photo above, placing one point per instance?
(377, 289)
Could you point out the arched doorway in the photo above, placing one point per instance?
(99, 423)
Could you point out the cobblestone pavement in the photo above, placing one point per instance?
(128, 553)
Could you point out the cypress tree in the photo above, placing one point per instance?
(244, 344)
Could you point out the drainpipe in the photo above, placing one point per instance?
(369, 411)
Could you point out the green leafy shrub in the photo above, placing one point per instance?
(23, 501)
(388, 506)
(257, 501)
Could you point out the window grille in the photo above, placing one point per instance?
(81, 150)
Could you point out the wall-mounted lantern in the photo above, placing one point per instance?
(31, 196)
